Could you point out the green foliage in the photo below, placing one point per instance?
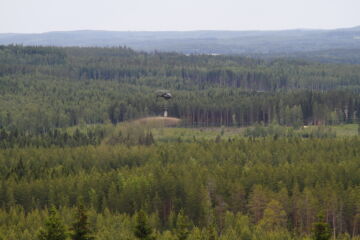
(204, 178)
(321, 229)
(56, 137)
(182, 226)
(142, 228)
(43, 88)
(276, 131)
(274, 216)
(80, 228)
(211, 233)
(59, 146)
(54, 228)
(131, 134)
(273, 130)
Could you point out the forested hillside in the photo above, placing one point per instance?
(346, 56)
(46, 87)
(73, 164)
(200, 42)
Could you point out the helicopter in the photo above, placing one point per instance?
(165, 95)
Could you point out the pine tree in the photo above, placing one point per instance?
(54, 228)
(274, 216)
(80, 227)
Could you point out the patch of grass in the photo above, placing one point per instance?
(346, 130)
(187, 134)
(171, 134)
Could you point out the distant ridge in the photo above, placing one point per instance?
(199, 42)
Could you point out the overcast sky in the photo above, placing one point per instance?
(28, 16)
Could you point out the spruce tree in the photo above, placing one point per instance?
(54, 228)
(321, 229)
(142, 228)
(182, 226)
(80, 228)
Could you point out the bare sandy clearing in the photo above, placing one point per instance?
(158, 121)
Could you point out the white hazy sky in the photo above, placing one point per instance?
(29, 16)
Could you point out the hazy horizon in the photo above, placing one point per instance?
(39, 16)
(170, 30)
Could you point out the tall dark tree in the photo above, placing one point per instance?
(54, 227)
(321, 229)
(80, 228)
(142, 228)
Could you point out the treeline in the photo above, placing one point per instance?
(56, 137)
(174, 70)
(43, 88)
(273, 185)
(277, 131)
(89, 225)
(41, 110)
(292, 108)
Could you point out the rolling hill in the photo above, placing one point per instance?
(200, 42)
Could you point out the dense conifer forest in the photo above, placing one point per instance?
(46, 87)
(244, 188)
(74, 166)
